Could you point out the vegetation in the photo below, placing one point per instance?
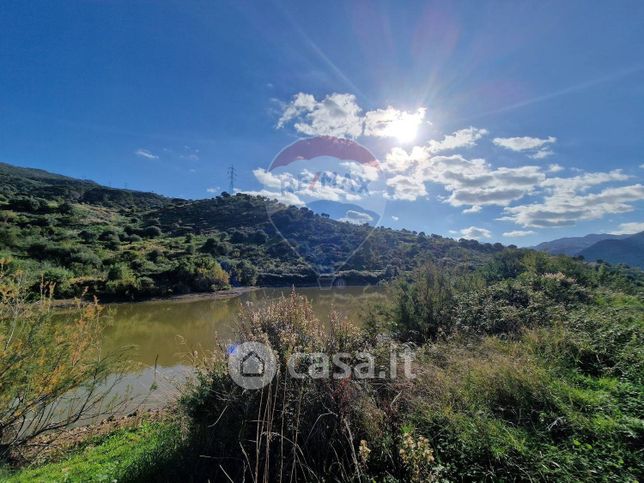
(535, 376)
(52, 372)
(122, 245)
(126, 455)
(528, 366)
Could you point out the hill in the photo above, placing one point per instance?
(572, 246)
(16, 182)
(628, 250)
(123, 244)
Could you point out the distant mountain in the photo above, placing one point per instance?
(574, 245)
(344, 212)
(628, 249)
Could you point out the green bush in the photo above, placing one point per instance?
(59, 282)
(424, 305)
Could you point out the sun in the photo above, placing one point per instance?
(405, 130)
(405, 127)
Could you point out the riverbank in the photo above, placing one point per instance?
(53, 447)
(189, 297)
(135, 448)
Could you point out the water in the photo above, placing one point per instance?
(161, 335)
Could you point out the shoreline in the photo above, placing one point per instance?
(219, 295)
(190, 297)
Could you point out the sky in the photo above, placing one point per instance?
(511, 122)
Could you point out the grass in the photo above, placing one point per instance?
(134, 454)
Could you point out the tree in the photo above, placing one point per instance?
(246, 273)
(215, 247)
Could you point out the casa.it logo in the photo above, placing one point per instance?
(335, 177)
(253, 365)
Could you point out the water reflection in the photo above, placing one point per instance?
(162, 333)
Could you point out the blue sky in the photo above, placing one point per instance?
(528, 115)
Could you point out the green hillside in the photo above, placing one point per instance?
(123, 244)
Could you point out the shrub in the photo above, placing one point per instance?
(510, 306)
(9, 236)
(208, 275)
(242, 273)
(201, 274)
(109, 235)
(58, 282)
(424, 304)
(152, 232)
(293, 428)
(215, 247)
(45, 363)
(121, 281)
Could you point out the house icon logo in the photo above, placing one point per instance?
(252, 365)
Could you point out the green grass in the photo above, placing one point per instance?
(137, 454)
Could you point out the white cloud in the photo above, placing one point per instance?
(340, 115)
(629, 228)
(398, 160)
(474, 183)
(286, 197)
(518, 233)
(472, 209)
(145, 153)
(301, 104)
(325, 185)
(395, 218)
(524, 143)
(565, 208)
(475, 233)
(584, 181)
(469, 184)
(356, 217)
(555, 168)
(405, 188)
(641, 166)
(362, 171)
(270, 180)
(213, 190)
(542, 153)
(464, 138)
(335, 115)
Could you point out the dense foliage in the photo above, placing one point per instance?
(529, 368)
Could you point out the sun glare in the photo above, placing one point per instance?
(405, 126)
(405, 130)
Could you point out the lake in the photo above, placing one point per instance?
(161, 334)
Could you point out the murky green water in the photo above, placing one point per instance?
(162, 334)
(165, 331)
